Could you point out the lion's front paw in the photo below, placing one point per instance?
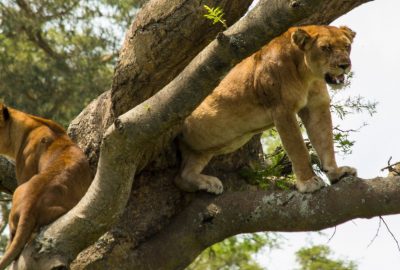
(310, 185)
(211, 184)
(336, 174)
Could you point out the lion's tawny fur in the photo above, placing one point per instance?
(52, 173)
(285, 79)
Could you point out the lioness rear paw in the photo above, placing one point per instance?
(211, 184)
(337, 174)
(311, 185)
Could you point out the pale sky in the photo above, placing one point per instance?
(376, 64)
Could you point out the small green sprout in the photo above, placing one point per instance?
(215, 14)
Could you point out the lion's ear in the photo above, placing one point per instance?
(350, 34)
(4, 115)
(302, 39)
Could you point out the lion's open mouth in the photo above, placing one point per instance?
(334, 79)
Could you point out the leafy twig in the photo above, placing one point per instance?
(216, 15)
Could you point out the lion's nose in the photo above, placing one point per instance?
(344, 66)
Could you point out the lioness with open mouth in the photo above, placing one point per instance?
(286, 78)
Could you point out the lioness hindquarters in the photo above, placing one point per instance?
(286, 78)
(52, 173)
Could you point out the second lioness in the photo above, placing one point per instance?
(52, 173)
(285, 78)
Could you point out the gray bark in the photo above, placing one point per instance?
(8, 182)
(210, 219)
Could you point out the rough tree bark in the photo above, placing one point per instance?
(160, 223)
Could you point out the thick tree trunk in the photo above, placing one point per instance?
(160, 223)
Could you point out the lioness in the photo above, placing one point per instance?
(287, 77)
(52, 173)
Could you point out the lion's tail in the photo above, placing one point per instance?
(25, 227)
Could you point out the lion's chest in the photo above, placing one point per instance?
(296, 97)
(301, 102)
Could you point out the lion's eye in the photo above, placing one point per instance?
(347, 47)
(326, 48)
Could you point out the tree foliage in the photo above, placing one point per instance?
(59, 54)
(319, 258)
(236, 253)
(215, 15)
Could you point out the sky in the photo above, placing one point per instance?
(376, 64)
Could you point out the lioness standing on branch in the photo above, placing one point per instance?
(286, 78)
(52, 173)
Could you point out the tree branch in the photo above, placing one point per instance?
(34, 33)
(145, 64)
(210, 219)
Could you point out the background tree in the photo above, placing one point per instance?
(236, 252)
(145, 66)
(59, 53)
(317, 258)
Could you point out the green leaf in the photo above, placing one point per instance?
(215, 15)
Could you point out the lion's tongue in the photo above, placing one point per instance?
(332, 79)
(339, 79)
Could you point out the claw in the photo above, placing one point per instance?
(211, 184)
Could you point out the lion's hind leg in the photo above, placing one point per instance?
(190, 178)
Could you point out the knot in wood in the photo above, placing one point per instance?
(234, 43)
(119, 125)
(223, 39)
(295, 3)
(211, 212)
